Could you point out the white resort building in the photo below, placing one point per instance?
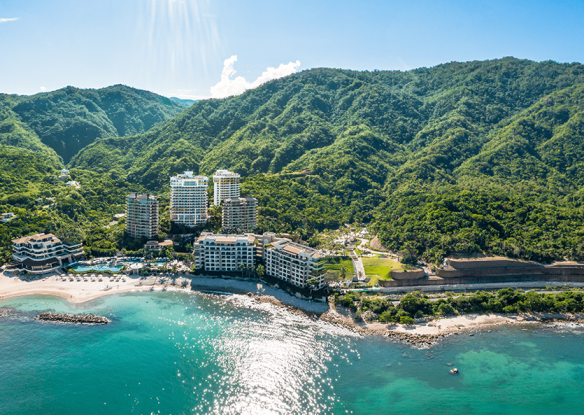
(224, 252)
(42, 253)
(284, 259)
(240, 214)
(142, 215)
(188, 199)
(225, 185)
(293, 262)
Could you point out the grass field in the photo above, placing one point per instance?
(335, 264)
(380, 268)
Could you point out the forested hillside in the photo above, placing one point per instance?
(68, 119)
(461, 157)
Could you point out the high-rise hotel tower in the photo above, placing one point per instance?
(226, 186)
(142, 215)
(188, 199)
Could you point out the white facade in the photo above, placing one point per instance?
(44, 253)
(293, 262)
(225, 185)
(188, 199)
(224, 252)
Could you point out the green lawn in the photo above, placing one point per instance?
(335, 264)
(380, 268)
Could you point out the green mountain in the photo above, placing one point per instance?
(461, 157)
(69, 119)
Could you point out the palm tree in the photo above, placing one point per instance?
(261, 270)
(343, 272)
(312, 283)
(241, 267)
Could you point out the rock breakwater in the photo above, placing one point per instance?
(73, 318)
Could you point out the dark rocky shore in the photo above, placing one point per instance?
(72, 318)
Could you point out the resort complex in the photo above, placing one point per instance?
(225, 186)
(142, 215)
(233, 251)
(188, 199)
(42, 253)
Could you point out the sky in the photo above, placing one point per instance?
(214, 48)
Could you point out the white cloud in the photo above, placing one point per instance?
(43, 89)
(8, 19)
(229, 86)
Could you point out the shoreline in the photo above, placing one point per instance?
(77, 292)
(422, 334)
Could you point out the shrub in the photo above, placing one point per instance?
(406, 320)
(446, 309)
(419, 314)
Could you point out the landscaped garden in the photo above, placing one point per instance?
(379, 268)
(334, 268)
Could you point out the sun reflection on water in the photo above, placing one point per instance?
(275, 364)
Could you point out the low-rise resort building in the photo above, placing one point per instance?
(43, 253)
(155, 246)
(224, 252)
(284, 259)
(294, 263)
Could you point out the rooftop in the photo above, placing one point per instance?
(240, 199)
(226, 239)
(135, 195)
(225, 173)
(296, 249)
(37, 237)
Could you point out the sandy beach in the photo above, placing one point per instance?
(85, 289)
(448, 325)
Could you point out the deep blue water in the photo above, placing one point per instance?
(235, 357)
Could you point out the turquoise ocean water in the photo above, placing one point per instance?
(177, 353)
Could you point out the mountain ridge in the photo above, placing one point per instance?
(462, 157)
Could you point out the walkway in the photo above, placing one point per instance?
(357, 264)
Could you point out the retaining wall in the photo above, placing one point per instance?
(512, 271)
(490, 263)
(485, 279)
(407, 275)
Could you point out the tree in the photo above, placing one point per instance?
(343, 272)
(241, 267)
(261, 270)
(312, 283)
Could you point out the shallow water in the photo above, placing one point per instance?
(177, 353)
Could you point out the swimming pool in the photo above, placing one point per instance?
(96, 268)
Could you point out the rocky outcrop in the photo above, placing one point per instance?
(72, 318)
(376, 244)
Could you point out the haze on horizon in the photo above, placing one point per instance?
(198, 48)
